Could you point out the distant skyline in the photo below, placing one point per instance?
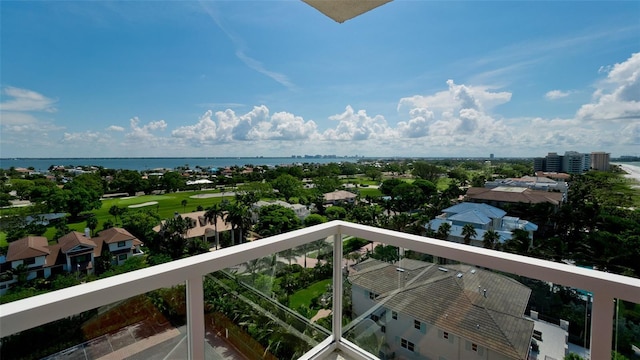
(278, 78)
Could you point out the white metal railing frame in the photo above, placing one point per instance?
(38, 310)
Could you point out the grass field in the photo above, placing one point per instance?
(304, 296)
(166, 206)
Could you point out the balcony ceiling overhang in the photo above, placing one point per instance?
(343, 10)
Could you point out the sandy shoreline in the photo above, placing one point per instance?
(633, 171)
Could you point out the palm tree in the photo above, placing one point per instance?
(239, 217)
(520, 242)
(211, 215)
(469, 232)
(490, 239)
(114, 211)
(399, 222)
(92, 223)
(443, 231)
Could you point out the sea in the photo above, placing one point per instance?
(142, 164)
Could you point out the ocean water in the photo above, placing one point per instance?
(141, 164)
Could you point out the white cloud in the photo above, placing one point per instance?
(284, 126)
(145, 132)
(358, 126)
(241, 51)
(556, 94)
(202, 132)
(630, 134)
(115, 128)
(29, 129)
(618, 96)
(26, 100)
(457, 97)
(257, 124)
(418, 124)
(456, 117)
(84, 138)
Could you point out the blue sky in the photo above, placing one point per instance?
(277, 78)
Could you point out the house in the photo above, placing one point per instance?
(120, 243)
(423, 310)
(74, 251)
(503, 195)
(34, 252)
(483, 218)
(201, 228)
(79, 252)
(301, 211)
(340, 196)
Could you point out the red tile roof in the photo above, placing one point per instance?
(74, 239)
(28, 247)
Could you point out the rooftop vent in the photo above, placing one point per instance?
(459, 275)
(443, 269)
(473, 271)
(400, 269)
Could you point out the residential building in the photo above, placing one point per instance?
(571, 162)
(531, 182)
(300, 210)
(74, 251)
(340, 196)
(429, 311)
(201, 228)
(575, 163)
(503, 195)
(35, 254)
(483, 218)
(121, 244)
(79, 252)
(600, 160)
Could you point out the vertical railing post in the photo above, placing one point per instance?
(195, 317)
(601, 325)
(337, 287)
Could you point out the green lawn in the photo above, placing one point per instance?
(3, 240)
(167, 205)
(374, 193)
(304, 296)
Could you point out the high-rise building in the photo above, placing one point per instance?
(553, 162)
(539, 164)
(573, 162)
(600, 160)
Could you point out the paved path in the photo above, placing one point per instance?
(322, 313)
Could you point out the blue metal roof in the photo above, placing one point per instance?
(471, 217)
(488, 210)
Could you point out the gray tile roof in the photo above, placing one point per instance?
(454, 300)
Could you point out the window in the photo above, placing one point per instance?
(372, 295)
(121, 243)
(383, 329)
(375, 317)
(416, 324)
(122, 257)
(407, 345)
(445, 335)
(30, 261)
(394, 315)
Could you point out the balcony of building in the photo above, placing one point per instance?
(436, 299)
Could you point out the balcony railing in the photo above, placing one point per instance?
(38, 310)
